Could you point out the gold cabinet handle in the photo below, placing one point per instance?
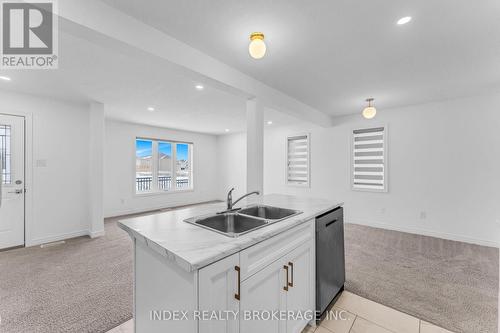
(285, 288)
(291, 267)
(237, 295)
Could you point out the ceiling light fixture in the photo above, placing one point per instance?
(151, 109)
(226, 130)
(404, 20)
(257, 47)
(369, 112)
(199, 87)
(5, 78)
(269, 122)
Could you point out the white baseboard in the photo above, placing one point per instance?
(50, 239)
(94, 234)
(424, 232)
(122, 212)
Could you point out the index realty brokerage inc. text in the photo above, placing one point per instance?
(226, 315)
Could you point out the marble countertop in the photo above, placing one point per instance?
(193, 247)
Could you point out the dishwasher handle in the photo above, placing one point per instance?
(330, 223)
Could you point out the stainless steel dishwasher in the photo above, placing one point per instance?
(330, 260)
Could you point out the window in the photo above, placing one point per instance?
(159, 164)
(5, 162)
(369, 156)
(297, 169)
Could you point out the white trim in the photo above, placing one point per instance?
(95, 234)
(116, 213)
(50, 239)
(425, 232)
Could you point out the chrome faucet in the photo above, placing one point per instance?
(230, 203)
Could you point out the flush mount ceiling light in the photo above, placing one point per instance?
(199, 87)
(226, 130)
(257, 47)
(5, 78)
(151, 109)
(404, 20)
(369, 112)
(269, 122)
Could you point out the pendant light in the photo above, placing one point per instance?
(369, 112)
(257, 47)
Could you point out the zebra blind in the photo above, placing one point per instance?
(369, 159)
(297, 172)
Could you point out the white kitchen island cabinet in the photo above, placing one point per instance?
(191, 280)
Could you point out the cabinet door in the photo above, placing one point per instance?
(218, 285)
(262, 294)
(299, 296)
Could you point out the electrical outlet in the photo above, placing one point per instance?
(423, 215)
(122, 201)
(382, 210)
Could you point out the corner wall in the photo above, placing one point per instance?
(60, 166)
(443, 169)
(119, 174)
(443, 176)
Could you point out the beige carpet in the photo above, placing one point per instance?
(451, 284)
(85, 285)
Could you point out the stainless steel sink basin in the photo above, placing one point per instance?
(229, 224)
(268, 212)
(235, 223)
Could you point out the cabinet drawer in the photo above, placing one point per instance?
(257, 257)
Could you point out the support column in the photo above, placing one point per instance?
(96, 169)
(255, 146)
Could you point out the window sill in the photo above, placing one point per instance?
(160, 193)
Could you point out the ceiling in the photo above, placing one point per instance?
(128, 85)
(333, 54)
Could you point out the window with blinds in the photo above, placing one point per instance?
(369, 155)
(297, 171)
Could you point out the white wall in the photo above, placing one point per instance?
(231, 164)
(119, 174)
(59, 190)
(443, 160)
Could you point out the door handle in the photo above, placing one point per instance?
(285, 288)
(291, 267)
(237, 295)
(19, 191)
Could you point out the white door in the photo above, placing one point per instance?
(218, 291)
(11, 181)
(299, 298)
(261, 294)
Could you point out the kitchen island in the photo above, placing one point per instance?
(190, 279)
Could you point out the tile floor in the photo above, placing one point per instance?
(354, 314)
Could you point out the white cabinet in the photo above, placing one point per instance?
(261, 295)
(265, 283)
(299, 297)
(218, 290)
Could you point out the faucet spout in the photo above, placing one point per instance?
(244, 196)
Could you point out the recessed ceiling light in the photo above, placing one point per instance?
(226, 130)
(269, 122)
(404, 20)
(5, 78)
(199, 87)
(151, 109)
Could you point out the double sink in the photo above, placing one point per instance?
(242, 221)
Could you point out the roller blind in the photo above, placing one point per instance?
(369, 159)
(298, 160)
